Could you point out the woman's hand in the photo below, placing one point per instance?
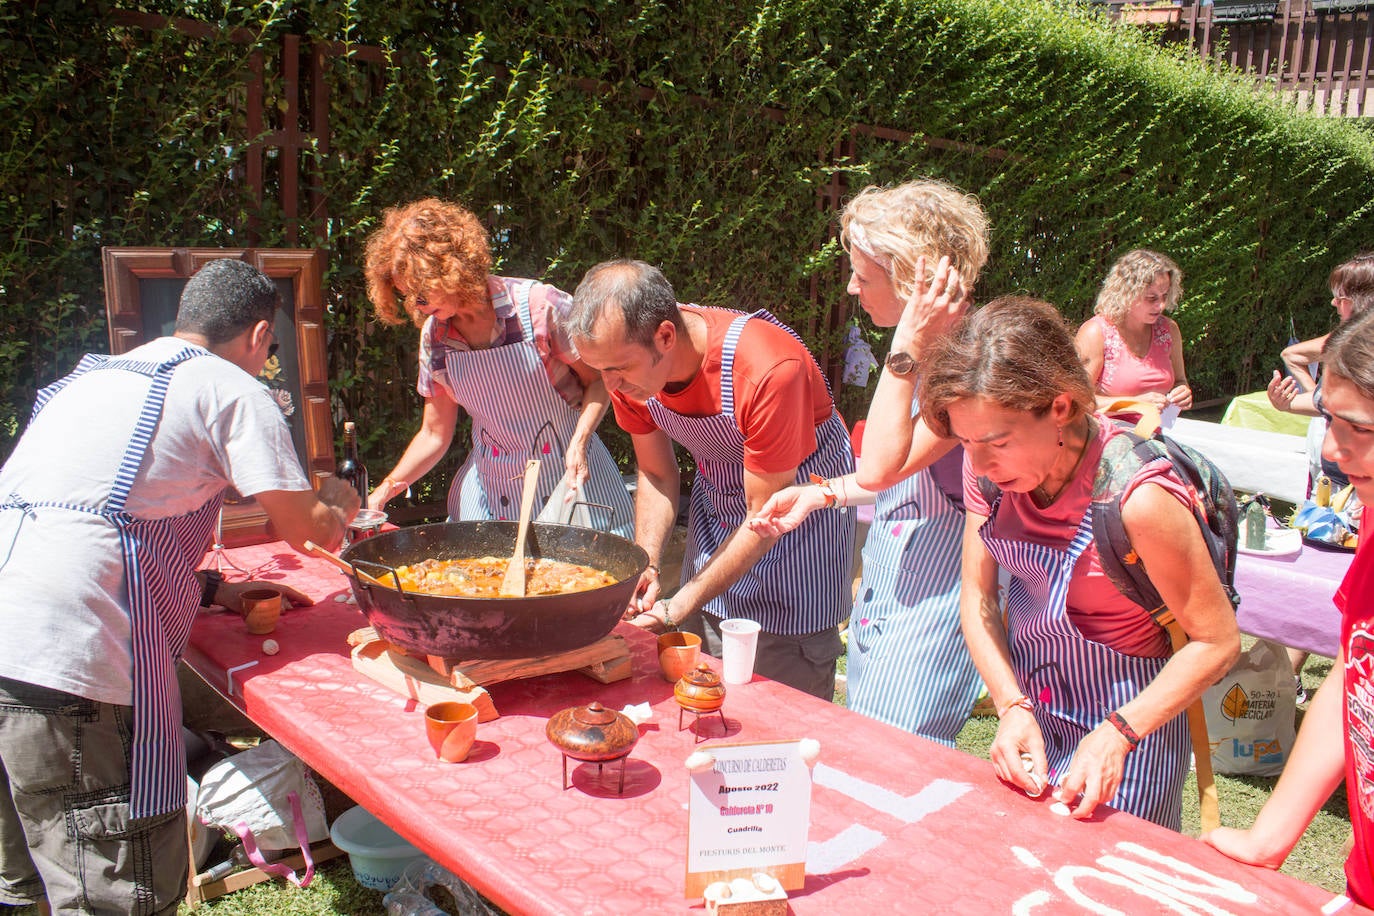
(1181, 396)
(1282, 390)
(931, 309)
(1018, 741)
(1095, 772)
(1243, 846)
(785, 510)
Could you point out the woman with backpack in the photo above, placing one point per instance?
(1089, 694)
(1338, 731)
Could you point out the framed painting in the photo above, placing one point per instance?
(142, 289)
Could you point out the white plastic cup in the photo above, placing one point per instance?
(739, 641)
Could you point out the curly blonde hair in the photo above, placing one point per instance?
(429, 244)
(896, 226)
(1128, 279)
(1015, 351)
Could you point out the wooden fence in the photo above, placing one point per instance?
(1315, 52)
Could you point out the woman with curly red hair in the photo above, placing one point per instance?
(490, 345)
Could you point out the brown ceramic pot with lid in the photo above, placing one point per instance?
(700, 689)
(592, 733)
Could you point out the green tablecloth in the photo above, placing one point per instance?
(1253, 411)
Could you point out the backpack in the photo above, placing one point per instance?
(1214, 508)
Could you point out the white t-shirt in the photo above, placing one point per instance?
(63, 597)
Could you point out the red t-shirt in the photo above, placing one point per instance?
(1355, 598)
(780, 394)
(1099, 611)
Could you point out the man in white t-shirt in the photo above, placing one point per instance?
(106, 510)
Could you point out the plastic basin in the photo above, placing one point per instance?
(377, 853)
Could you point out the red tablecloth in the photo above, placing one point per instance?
(1288, 599)
(898, 824)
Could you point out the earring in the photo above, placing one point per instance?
(1061, 436)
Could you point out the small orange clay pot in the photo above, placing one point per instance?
(700, 689)
(451, 729)
(261, 608)
(678, 653)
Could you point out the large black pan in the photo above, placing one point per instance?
(468, 628)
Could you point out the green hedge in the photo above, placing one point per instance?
(1082, 138)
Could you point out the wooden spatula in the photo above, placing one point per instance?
(514, 583)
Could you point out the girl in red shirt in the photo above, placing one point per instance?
(1337, 737)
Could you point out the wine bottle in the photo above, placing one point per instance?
(352, 470)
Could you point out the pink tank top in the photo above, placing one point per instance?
(1126, 375)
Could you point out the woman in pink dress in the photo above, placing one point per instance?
(1131, 349)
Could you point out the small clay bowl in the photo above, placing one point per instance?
(678, 653)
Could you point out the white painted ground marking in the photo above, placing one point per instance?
(1335, 905)
(1029, 902)
(838, 851)
(940, 793)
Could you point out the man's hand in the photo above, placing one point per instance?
(340, 497)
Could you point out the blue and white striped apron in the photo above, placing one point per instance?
(1076, 682)
(160, 559)
(517, 415)
(908, 664)
(800, 586)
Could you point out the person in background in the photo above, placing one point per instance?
(492, 346)
(1088, 694)
(1338, 728)
(1131, 349)
(107, 507)
(1299, 392)
(743, 394)
(907, 663)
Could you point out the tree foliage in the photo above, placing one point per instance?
(702, 136)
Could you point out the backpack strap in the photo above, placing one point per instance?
(1214, 508)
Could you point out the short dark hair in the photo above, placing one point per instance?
(1355, 278)
(225, 298)
(1349, 352)
(641, 292)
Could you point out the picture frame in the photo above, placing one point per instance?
(142, 290)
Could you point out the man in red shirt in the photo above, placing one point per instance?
(745, 397)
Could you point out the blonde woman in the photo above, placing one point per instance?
(1131, 349)
(492, 346)
(909, 246)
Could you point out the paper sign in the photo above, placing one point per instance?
(749, 812)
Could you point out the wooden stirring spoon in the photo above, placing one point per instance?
(514, 583)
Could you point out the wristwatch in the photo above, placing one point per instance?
(212, 583)
(900, 364)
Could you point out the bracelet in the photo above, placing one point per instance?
(827, 490)
(1021, 702)
(654, 567)
(667, 614)
(393, 485)
(1119, 721)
